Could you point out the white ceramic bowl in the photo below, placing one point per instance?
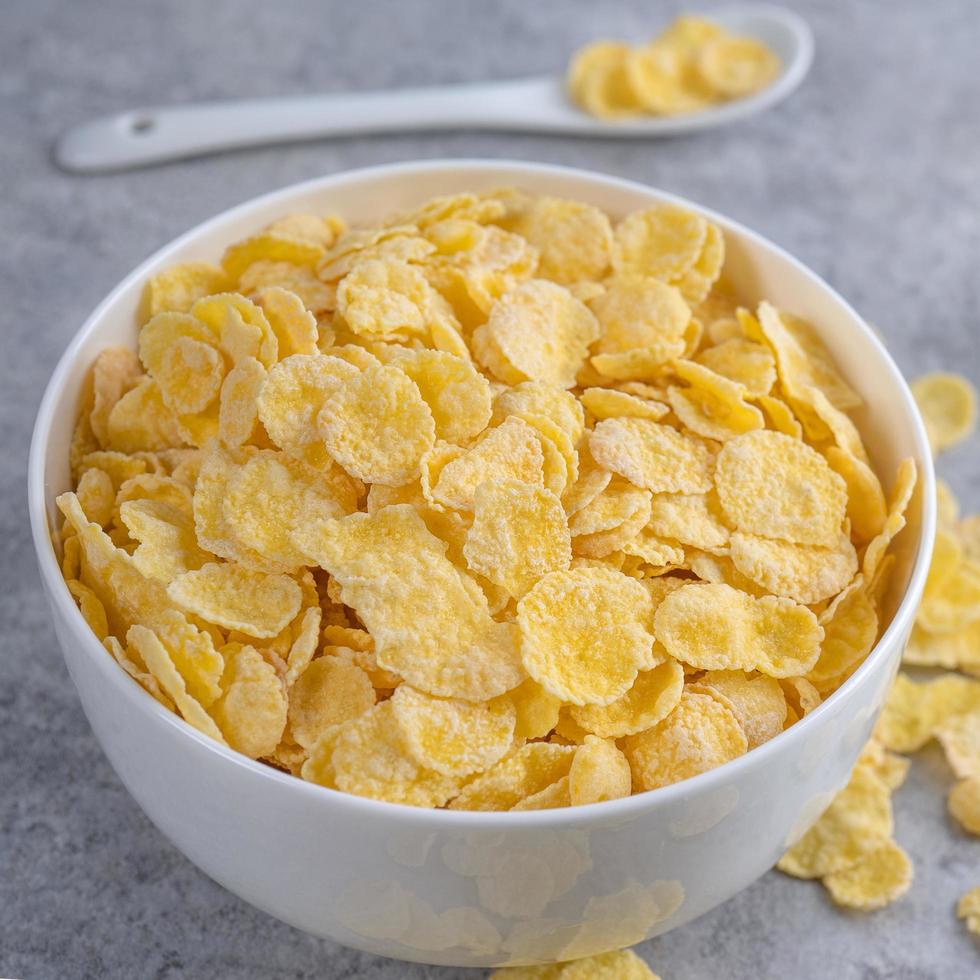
(480, 889)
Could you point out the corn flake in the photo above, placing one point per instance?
(585, 634)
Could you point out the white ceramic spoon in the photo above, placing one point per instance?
(539, 105)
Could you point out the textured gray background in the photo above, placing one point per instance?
(871, 174)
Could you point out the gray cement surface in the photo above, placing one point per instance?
(870, 174)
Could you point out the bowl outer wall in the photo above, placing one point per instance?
(475, 889)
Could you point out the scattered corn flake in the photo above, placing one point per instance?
(858, 820)
(959, 735)
(585, 634)
(879, 878)
(948, 403)
(968, 908)
(964, 804)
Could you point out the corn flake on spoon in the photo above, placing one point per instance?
(160, 133)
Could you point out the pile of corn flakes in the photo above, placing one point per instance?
(693, 64)
(494, 505)
(851, 847)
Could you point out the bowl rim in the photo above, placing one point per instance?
(444, 819)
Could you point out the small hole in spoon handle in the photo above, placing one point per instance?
(140, 125)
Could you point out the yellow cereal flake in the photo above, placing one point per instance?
(948, 403)
(690, 519)
(653, 456)
(451, 736)
(330, 691)
(237, 598)
(511, 450)
(167, 542)
(968, 909)
(880, 877)
(147, 648)
(716, 627)
(177, 289)
(251, 711)
(857, 822)
(758, 701)
(271, 495)
(293, 395)
(663, 241)
(377, 426)
(519, 534)
(541, 398)
(641, 315)
(607, 403)
(456, 649)
(574, 240)
(654, 694)
(599, 771)
(519, 774)
(585, 634)
(804, 572)
(772, 485)
(457, 394)
(700, 734)
(964, 804)
(536, 332)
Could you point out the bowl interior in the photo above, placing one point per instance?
(888, 420)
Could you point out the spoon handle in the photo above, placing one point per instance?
(156, 134)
